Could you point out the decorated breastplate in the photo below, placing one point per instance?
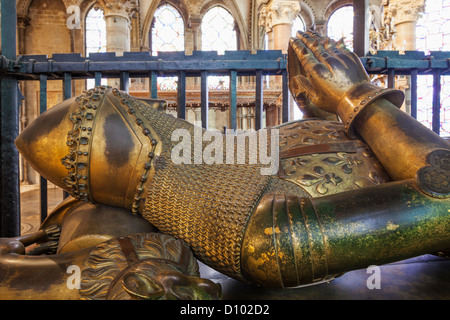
(319, 157)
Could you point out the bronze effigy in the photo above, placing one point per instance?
(370, 189)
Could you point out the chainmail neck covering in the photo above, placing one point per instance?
(205, 205)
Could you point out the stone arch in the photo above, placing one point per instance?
(306, 4)
(308, 15)
(24, 5)
(38, 11)
(85, 7)
(333, 6)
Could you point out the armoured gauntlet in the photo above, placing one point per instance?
(332, 78)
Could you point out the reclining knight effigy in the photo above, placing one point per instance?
(369, 189)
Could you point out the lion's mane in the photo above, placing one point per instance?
(106, 261)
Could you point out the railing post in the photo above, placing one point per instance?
(436, 122)
(414, 73)
(98, 78)
(67, 85)
(233, 99)
(285, 93)
(391, 78)
(204, 99)
(259, 100)
(125, 81)
(43, 181)
(9, 173)
(181, 95)
(153, 85)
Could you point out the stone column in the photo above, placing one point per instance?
(22, 24)
(405, 14)
(277, 16)
(118, 25)
(192, 35)
(118, 15)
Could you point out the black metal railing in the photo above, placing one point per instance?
(413, 64)
(202, 64)
(68, 67)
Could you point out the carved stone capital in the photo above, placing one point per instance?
(119, 8)
(194, 22)
(195, 6)
(22, 22)
(405, 10)
(278, 12)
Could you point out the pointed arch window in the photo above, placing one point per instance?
(95, 31)
(218, 34)
(340, 25)
(167, 34)
(95, 37)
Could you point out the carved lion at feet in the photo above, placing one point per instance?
(144, 266)
(139, 266)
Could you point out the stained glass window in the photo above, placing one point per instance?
(167, 34)
(95, 31)
(340, 25)
(433, 34)
(218, 34)
(95, 37)
(168, 30)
